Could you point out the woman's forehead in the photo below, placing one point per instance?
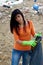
(18, 14)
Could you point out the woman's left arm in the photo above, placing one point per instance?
(32, 29)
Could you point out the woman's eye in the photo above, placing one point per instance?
(18, 16)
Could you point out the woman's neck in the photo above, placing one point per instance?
(22, 24)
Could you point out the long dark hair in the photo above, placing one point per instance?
(13, 23)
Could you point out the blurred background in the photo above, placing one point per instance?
(6, 38)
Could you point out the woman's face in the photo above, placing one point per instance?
(19, 18)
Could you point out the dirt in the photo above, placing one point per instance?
(6, 38)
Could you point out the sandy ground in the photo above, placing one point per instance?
(6, 38)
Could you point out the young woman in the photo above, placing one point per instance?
(21, 30)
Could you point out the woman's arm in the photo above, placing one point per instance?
(16, 37)
(19, 41)
(32, 29)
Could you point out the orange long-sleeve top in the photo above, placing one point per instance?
(24, 36)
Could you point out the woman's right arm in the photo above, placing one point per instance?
(16, 37)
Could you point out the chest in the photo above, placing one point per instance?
(25, 32)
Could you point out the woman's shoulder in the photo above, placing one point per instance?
(30, 22)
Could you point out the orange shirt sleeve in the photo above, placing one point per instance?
(16, 37)
(32, 29)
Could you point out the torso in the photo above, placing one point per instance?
(23, 36)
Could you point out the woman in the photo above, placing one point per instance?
(21, 30)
